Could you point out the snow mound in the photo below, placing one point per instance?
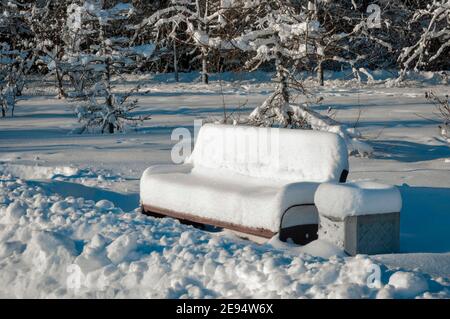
(362, 198)
(37, 172)
(121, 247)
(51, 246)
(14, 213)
(408, 284)
(104, 205)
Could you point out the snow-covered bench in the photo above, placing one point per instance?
(257, 181)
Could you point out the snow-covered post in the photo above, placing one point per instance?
(361, 218)
(59, 73)
(109, 122)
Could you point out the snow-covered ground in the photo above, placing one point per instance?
(70, 227)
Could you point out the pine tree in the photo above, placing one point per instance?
(278, 32)
(97, 51)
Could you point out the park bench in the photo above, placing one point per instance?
(255, 181)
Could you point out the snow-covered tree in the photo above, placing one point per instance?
(170, 40)
(433, 44)
(288, 35)
(281, 33)
(47, 20)
(8, 92)
(350, 37)
(15, 52)
(96, 54)
(443, 107)
(202, 21)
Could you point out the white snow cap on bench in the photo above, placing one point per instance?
(281, 154)
(361, 198)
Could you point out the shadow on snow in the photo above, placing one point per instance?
(425, 219)
(405, 151)
(127, 202)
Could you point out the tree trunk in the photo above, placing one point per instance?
(320, 74)
(205, 79)
(109, 101)
(175, 62)
(110, 128)
(283, 79)
(59, 78)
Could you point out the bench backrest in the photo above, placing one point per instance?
(279, 154)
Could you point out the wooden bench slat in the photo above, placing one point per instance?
(261, 232)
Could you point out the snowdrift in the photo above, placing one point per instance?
(66, 247)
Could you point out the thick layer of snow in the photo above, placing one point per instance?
(360, 198)
(53, 246)
(237, 199)
(273, 153)
(243, 175)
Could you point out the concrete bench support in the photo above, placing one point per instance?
(365, 234)
(360, 218)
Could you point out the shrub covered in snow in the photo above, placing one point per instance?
(47, 21)
(97, 55)
(15, 52)
(13, 67)
(443, 107)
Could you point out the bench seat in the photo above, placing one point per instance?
(234, 199)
